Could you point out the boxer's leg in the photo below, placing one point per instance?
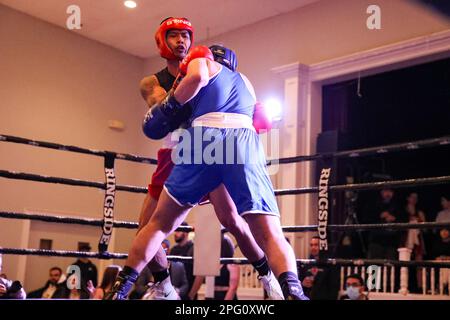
(159, 265)
(159, 262)
(186, 185)
(227, 214)
(166, 218)
(269, 235)
(251, 189)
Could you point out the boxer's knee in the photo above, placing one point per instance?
(148, 208)
(233, 223)
(265, 230)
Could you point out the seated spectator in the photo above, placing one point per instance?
(177, 276)
(441, 247)
(307, 274)
(354, 288)
(109, 276)
(444, 215)
(47, 291)
(72, 289)
(319, 283)
(10, 289)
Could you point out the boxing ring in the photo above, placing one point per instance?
(347, 266)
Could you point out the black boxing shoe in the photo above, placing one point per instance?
(296, 295)
(291, 287)
(122, 286)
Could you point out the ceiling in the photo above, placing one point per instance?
(132, 30)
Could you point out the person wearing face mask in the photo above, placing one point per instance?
(354, 285)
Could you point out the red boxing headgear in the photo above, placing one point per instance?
(166, 25)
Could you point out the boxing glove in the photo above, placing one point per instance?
(261, 119)
(194, 53)
(162, 118)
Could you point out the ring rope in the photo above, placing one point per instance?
(279, 192)
(406, 146)
(62, 147)
(369, 185)
(76, 220)
(355, 153)
(240, 261)
(134, 225)
(67, 181)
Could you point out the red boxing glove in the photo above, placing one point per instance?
(194, 53)
(261, 120)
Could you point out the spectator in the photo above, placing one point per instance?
(184, 247)
(383, 244)
(72, 289)
(414, 240)
(354, 288)
(441, 247)
(109, 276)
(177, 276)
(87, 268)
(226, 284)
(50, 287)
(307, 274)
(10, 289)
(319, 283)
(444, 215)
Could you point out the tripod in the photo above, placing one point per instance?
(351, 198)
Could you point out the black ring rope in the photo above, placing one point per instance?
(355, 153)
(374, 226)
(240, 261)
(280, 192)
(369, 185)
(57, 146)
(412, 145)
(67, 181)
(134, 225)
(76, 220)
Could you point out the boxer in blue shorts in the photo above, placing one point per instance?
(221, 147)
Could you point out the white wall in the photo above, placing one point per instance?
(60, 87)
(320, 31)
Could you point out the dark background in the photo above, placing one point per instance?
(397, 106)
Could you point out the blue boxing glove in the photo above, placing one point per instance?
(164, 117)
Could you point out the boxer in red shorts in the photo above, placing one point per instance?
(174, 38)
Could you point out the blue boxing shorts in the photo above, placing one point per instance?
(207, 156)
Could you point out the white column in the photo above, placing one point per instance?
(298, 133)
(404, 255)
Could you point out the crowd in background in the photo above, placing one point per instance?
(318, 282)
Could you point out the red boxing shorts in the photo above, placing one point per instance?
(162, 172)
(163, 169)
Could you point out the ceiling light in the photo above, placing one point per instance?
(130, 4)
